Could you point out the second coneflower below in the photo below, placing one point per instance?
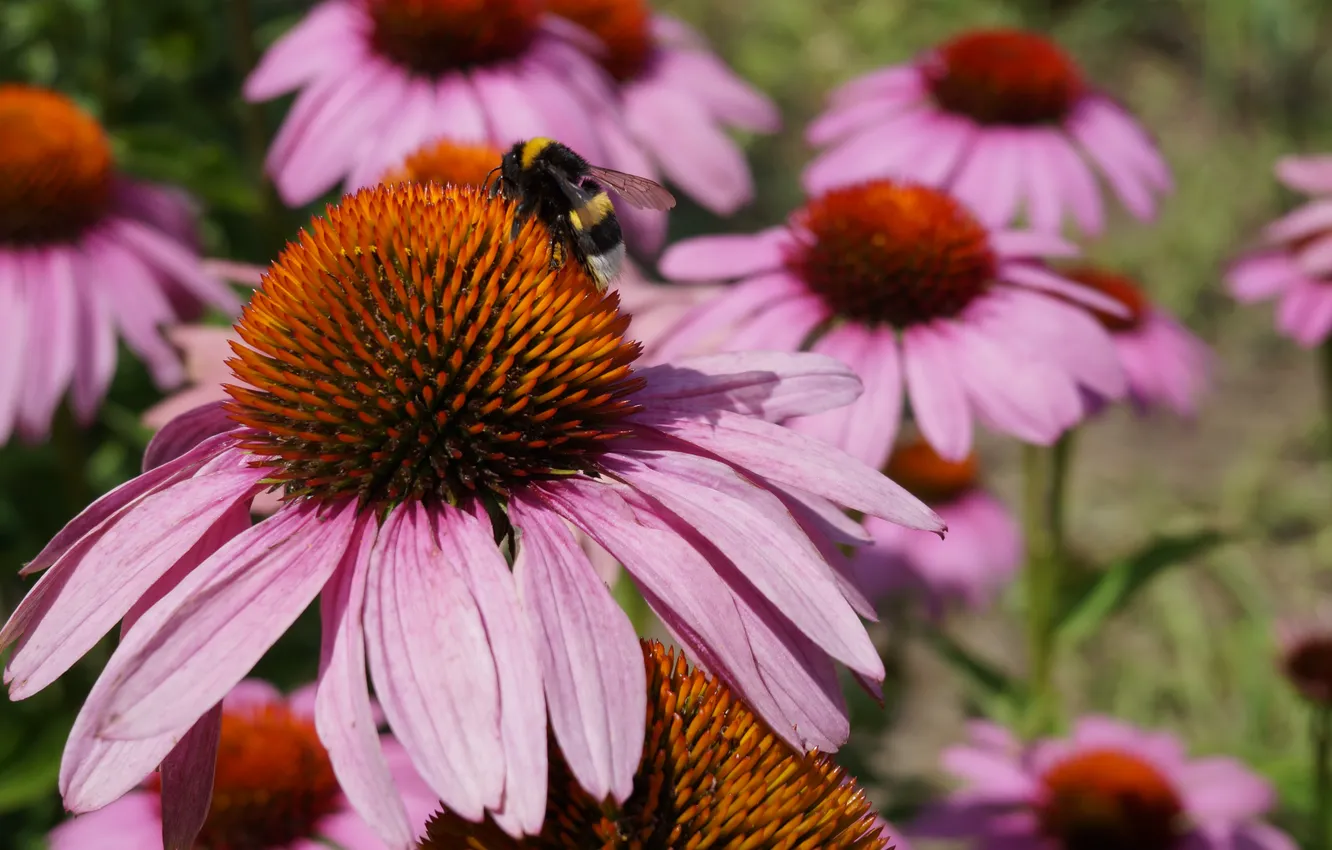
(710, 775)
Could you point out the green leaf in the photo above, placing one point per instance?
(1000, 693)
(1122, 581)
(32, 773)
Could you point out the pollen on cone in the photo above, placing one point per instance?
(406, 347)
(711, 775)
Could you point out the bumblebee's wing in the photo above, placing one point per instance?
(636, 191)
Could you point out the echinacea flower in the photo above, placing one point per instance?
(428, 396)
(1306, 657)
(678, 100)
(379, 78)
(447, 162)
(1294, 265)
(710, 775)
(1165, 364)
(88, 258)
(273, 788)
(984, 546)
(1005, 119)
(905, 285)
(1109, 785)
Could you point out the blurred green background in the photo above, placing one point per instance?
(1226, 85)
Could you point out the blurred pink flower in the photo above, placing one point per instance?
(1005, 119)
(984, 546)
(922, 300)
(87, 258)
(1166, 365)
(415, 448)
(1108, 785)
(1295, 263)
(379, 78)
(678, 99)
(272, 786)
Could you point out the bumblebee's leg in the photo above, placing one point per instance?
(525, 208)
(556, 251)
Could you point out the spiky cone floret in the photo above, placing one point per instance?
(712, 775)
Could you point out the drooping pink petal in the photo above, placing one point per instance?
(1043, 280)
(343, 714)
(729, 99)
(89, 591)
(1119, 169)
(510, 114)
(795, 460)
(172, 258)
(1107, 119)
(781, 327)
(757, 534)
(884, 82)
(94, 354)
(867, 428)
(1081, 193)
(139, 309)
(592, 666)
(319, 41)
(768, 384)
(1041, 178)
(644, 230)
(1031, 243)
(13, 341)
(54, 309)
(988, 181)
(469, 541)
(716, 258)
(432, 663)
(186, 431)
(937, 398)
(187, 781)
(206, 634)
(1224, 789)
(130, 823)
(1032, 399)
(1309, 174)
(709, 321)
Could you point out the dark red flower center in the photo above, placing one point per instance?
(917, 467)
(406, 347)
(447, 163)
(1308, 665)
(1110, 800)
(624, 27)
(274, 781)
(430, 37)
(1115, 286)
(1004, 76)
(887, 252)
(55, 167)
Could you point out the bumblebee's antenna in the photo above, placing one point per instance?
(492, 186)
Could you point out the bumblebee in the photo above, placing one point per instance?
(552, 182)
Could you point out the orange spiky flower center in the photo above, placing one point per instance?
(917, 467)
(1110, 800)
(1118, 287)
(624, 27)
(431, 37)
(55, 167)
(407, 348)
(892, 253)
(1308, 665)
(711, 776)
(274, 781)
(1004, 76)
(446, 162)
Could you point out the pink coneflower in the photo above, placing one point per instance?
(273, 788)
(87, 257)
(984, 546)
(1109, 785)
(1166, 365)
(678, 99)
(922, 300)
(1295, 263)
(429, 396)
(378, 78)
(1005, 119)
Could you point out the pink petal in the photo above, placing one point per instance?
(886, 148)
(1109, 120)
(95, 354)
(1016, 394)
(187, 781)
(90, 590)
(702, 326)
(1118, 168)
(755, 532)
(130, 823)
(432, 663)
(1081, 193)
(1042, 280)
(781, 327)
(13, 342)
(794, 460)
(644, 230)
(343, 714)
(1309, 174)
(840, 121)
(53, 333)
(315, 45)
(1220, 788)
(881, 83)
(186, 431)
(716, 258)
(937, 398)
(988, 181)
(1031, 243)
(988, 775)
(509, 113)
(202, 638)
(692, 151)
(1310, 219)
(1315, 259)
(593, 668)
(469, 541)
(139, 308)
(867, 428)
(171, 258)
(768, 384)
(1261, 276)
(729, 99)
(1042, 179)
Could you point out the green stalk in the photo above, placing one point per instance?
(71, 446)
(1045, 473)
(1321, 735)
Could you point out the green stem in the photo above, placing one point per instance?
(1045, 472)
(71, 447)
(1325, 375)
(1322, 778)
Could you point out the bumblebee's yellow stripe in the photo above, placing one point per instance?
(592, 213)
(533, 148)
